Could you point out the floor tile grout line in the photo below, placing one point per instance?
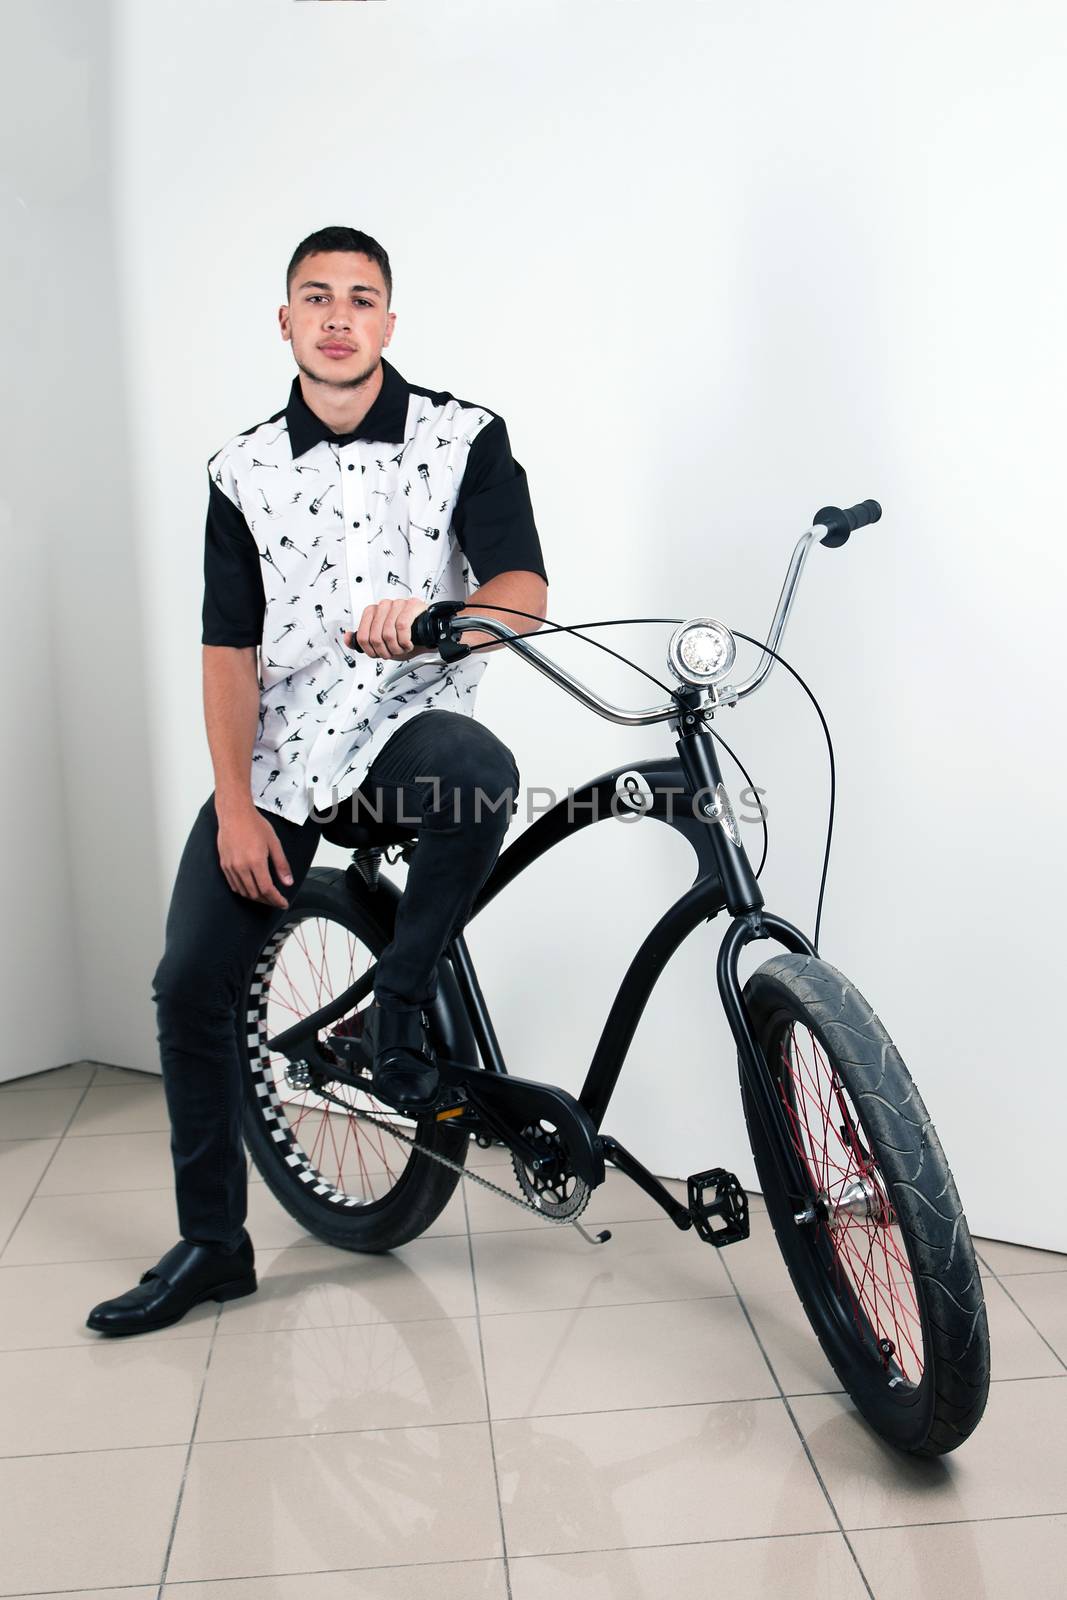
(20, 1086)
(293, 1244)
(406, 1427)
(59, 1140)
(1024, 1314)
(488, 1408)
(87, 1261)
(467, 1422)
(957, 1522)
(808, 1533)
(399, 1322)
(97, 1261)
(799, 1433)
(81, 1061)
(188, 1457)
(534, 1311)
(595, 1550)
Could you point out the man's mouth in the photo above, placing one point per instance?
(336, 349)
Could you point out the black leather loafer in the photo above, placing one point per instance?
(405, 1073)
(185, 1276)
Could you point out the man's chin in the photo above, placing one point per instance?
(329, 375)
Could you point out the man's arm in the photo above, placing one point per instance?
(232, 618)
(231, 716)
(232, 625)
(247, 844)
(523, 591)
(496, 531)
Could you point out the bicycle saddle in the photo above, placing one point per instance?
(362, 835)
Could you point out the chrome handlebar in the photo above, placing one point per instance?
(731, 695)
(566, 680)
(725, 695)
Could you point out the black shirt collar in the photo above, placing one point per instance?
(386, 420)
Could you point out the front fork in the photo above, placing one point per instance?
(756, 1072)
(741, 891)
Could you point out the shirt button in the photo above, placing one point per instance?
(355, 524)
(359, 580)
(351, 468)
(315, 779)
(329, 730)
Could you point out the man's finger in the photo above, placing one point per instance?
(265, 890)
(280, 864)
(365, 637)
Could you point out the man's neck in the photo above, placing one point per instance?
(342, 410)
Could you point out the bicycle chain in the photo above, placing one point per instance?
(456, 1166)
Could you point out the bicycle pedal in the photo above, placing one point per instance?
(729, 1207)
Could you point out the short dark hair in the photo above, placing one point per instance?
(341, 239)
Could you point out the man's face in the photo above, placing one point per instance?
(336, 319)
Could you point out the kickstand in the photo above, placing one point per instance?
(602, 1237)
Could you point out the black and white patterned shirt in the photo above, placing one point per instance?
(306, 528)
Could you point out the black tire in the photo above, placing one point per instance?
(927, 1392)
(390, 1206)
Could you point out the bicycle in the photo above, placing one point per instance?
(855, 1182)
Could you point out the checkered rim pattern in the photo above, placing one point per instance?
(270, 1104)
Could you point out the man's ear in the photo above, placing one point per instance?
(283, 322)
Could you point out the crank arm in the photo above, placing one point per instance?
(295, 1040)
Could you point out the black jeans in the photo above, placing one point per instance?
(461, 809)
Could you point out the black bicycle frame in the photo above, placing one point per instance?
(682, 794)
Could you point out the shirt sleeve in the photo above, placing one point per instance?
(233, 580)
(493, 517)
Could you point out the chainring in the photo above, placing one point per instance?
(552, 1188)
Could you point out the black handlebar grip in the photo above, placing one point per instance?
(839, 524)
(430, 628)
(424, 630)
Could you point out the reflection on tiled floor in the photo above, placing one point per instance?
(496, 1411)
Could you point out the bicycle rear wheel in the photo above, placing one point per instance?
(352, 1182)
(876, 1242)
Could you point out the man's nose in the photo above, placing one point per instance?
(337, 319)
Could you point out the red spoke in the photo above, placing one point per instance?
(869, 1262)
(307, 955)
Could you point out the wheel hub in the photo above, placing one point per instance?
(860, 1197)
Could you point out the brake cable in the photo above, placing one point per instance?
(618, 622)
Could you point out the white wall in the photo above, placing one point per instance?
(716, 266)
(77, 825)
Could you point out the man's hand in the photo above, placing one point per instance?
(385, 630)
(247, 846)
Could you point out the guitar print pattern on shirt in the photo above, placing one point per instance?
(337, 523)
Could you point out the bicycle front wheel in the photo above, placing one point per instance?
(875, 1240)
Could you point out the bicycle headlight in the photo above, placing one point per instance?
(701, 651)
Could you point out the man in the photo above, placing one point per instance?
(330, 527)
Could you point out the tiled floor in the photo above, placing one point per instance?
(497, 1409)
